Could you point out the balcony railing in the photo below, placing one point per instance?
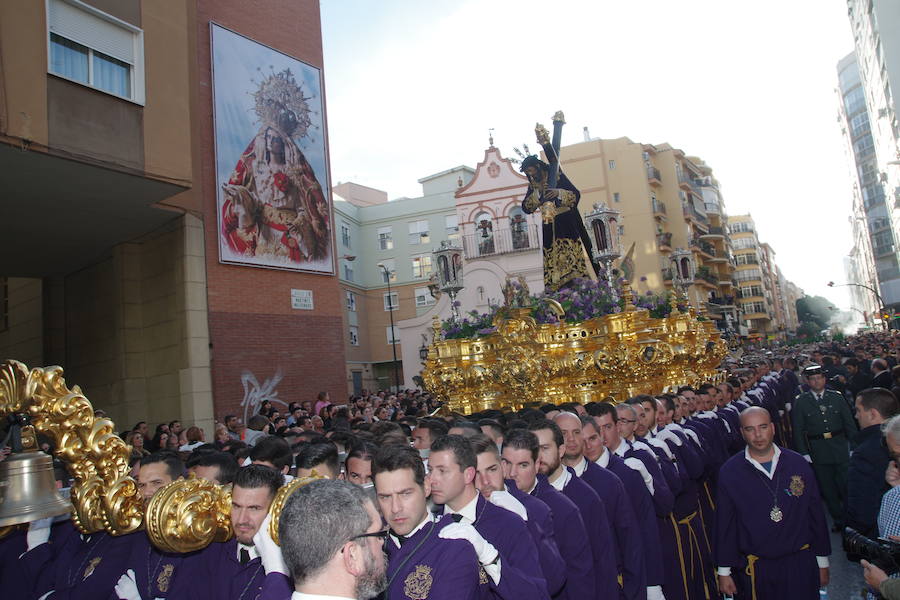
(659, 207)
(703, 246)
(653, 173)
(501, 241)
(716, 230)
(667, 274)
(664, 239)
(693, 213)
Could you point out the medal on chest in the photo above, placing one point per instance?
(775, 514)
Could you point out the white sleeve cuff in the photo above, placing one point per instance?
(808, 458)
(654, 592)
(723, 571)
(493, 572)
(823, 562)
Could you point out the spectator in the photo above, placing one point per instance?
(256, 428)
(868, 463)
(881, 377)
(136, 440)
(233, 424)
(194, 437)
(218, 467)
(321, 458)
(273, 452)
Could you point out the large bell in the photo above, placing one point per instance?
(28, 489)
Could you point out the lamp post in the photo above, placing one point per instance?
(448, 259)
(881, 307)
(603, 225)
(387, 278)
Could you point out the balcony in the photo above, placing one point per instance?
(714, 232)
(684, 181)
(664, 241)
(706, 249)
(653, 176)
(706, 278)
(501, 241)
(692, 213)
(712, 208)
(667, 276)
(659, 209)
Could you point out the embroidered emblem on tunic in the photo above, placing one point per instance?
(797, 486)
(418, 583)
(165, 577)
(482, 576)
(89, 570)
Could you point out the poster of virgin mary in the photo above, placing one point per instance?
(271, 169)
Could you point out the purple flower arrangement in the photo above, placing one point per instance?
(583, 299)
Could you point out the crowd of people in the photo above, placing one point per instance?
(724, 488)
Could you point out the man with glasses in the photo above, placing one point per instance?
(332, 540)
(421, 563)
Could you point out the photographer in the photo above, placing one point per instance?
(887, 588)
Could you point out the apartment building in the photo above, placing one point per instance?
(115, 250)
(870, 84)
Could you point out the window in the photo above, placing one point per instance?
(90, 47)
(615, 196)
(351, 301)
(741, 243)
(740, 227)
(746, 259)
(354, 336)
(424, 297)
(863, 146)
(391, 269)
(348, 272)
(753, 307)
(385, 238)
(391, 301)
(748, 275)
(451, 222)
(392, 334)
(345, 235)
(612, 164)
(751, 290)
(421, 266)
(418, 232)
(859, 124)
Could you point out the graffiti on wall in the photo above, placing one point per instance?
(255, 394)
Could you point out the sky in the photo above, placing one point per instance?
(412, 88)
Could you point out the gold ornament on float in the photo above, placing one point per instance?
(281, 497)
(189, 514)
(614, 356)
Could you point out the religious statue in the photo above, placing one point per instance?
(274, 206)
(551, 193)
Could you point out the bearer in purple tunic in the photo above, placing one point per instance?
(517, 573)
(593, 512)
(234, 569)
(520, 455)
(83, 566)
(538, 519)
(638, 495)
(423, 563)
(771, 537)
(620, 514)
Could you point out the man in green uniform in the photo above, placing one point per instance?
(823, 427)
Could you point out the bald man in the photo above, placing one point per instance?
(771, 536)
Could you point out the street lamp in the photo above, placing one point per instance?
(448, 259)
(603, 225)
(387, 278)
(871, 289)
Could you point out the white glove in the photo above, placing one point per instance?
(808, 458)
(269, 552)
(654, 592)
(787, 405)
(504, 499)
(488, 556)
(126, 588)
(38, 532)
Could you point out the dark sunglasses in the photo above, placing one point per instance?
(375, 534)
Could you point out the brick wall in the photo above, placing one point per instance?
(252, 324)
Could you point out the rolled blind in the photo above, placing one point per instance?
(90, 30)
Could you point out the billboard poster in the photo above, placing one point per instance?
(273, 200)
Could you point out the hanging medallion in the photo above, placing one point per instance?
(776, 515)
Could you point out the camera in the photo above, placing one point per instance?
(884, 554)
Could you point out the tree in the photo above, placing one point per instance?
(808, 329)
(815, 309)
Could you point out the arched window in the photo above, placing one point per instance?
(484, 233)
(518, 226)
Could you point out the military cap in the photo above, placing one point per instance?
(813, 370)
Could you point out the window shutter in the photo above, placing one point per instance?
(90, 30)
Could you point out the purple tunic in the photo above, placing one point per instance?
(572, 538)
(154, 571)
(215, 572)
(783, 552)
(600, 535)
(79, 566)
(627, 535)
(642, 503)
(520, 571)
(540, 526)
(428, 566)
